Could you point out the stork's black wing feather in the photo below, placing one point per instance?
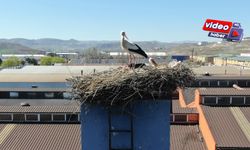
(139, 51)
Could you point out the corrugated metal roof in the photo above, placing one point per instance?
(33, 77)
(61, 73)
(246, 112)
(49, 73)
(241, 120)
(189, 94)
(39, 102)
(176, 108)
(224, 77)
(34, 89)
(57, 70)
(41, 109)
(186, 137)
(40, 137)
(224, 91)
(220, 70)
(224, 127)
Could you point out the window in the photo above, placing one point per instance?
(18, 117)
(209, 100)
(171, 118)
(58, 117)
(49, 95)
(237, 100)
(204, 83)
(242, 83)
(232, 82)
(45, 117)
(214, 83)
(180, 118)
(14, 94)
(193, 118)
(248, 83)
(31, 117)
(67, 95)
(247, 100)
(58, 95)
(72, 117)
(223, 100)
(31, 95)
(195, 84)
(223, 83)
(5, 117)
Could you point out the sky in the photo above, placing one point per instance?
(143, 20)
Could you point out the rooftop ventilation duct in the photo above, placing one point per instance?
(206, 74)
(34, 86)
(24, 104)
(237, 87)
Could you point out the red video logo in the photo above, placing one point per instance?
(217, 26)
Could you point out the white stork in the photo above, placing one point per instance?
(132, 48)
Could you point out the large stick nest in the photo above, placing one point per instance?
(121, 86)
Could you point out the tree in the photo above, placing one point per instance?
(51, 54)
(11, 62)
(32, 61)
(46, 60)
(58, 60)
(1, 61)
(22, 62)
(51, 60)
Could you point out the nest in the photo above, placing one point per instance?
(122, 86)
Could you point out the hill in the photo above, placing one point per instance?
(14, 48)
(212, 48)
(20, 45)
(50, 44)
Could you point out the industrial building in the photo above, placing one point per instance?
(222, 105)
(36, 111)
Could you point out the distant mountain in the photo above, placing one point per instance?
(49, 44)
(212, 48)
(14, 48)
(20, 45)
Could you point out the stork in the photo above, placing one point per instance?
(132, 48)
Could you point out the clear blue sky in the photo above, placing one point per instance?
(143, 20)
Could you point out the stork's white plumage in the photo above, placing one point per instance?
(132, 48)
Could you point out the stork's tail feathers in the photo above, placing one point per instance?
(152, 62)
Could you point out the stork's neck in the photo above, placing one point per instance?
(122, 41)
(122, 38)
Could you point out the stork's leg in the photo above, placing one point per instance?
(130, 59)
(133, 56)
(134, 59)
